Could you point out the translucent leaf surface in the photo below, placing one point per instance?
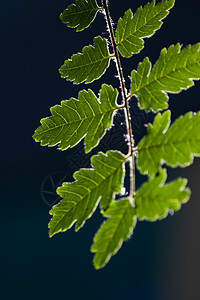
(174, 71)
(89, 65)
(154, 200)
(132, 29)
(75, 119)
(80, 14)
(81, 197)
(113, 232)
(176, 146)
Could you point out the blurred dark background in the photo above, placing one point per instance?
(161, 261)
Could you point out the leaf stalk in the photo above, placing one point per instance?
(125, 101)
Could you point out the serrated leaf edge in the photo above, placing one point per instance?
(97, 202)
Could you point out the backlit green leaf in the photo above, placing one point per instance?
(132, 29)
(89, 65)
(75, 119)
(81, 14)
(114, 231)
(81, 197)
(174, 71)
(176, 146)
(154, 200)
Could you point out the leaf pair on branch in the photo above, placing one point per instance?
(153, 200)
(89, 116)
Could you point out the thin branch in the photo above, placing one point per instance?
(125, 100)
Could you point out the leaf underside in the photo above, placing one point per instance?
(89, 65)
(173, 72)
(75, 119)
(176, 146)
(132, 29)
(80, 15)
(81, 197)
(114, 231)
(154, 200)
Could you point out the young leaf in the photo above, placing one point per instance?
(89, 65)
(75, 119)
(81, 197)
(176, 146)
(80, 15)
(174, 71)
(108, 240)
(132, 29)
(155, 199)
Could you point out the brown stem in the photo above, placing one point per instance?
(125, 100)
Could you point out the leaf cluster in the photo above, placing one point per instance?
(89, 116)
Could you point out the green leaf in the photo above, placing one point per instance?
(89, 65)
(176, 146)
(154, 200)
(114, 231)
(82, 196)
(75, 119)
(81, 14)
(174, 71)
(132, 29)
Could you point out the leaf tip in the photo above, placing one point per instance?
(51, 231)
(51, 234)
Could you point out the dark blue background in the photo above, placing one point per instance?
(161, 260)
